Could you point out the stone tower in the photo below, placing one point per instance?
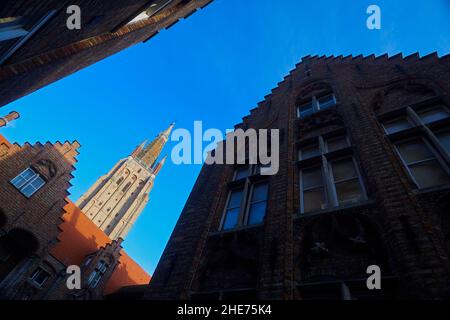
(116, 199)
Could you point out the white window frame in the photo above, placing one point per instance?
(247, 194)
(302, 189)
(333, 182)
(329, 186)
(251, 202)
(224, 215)
(28, 182)
(436, 155)
(426, 135)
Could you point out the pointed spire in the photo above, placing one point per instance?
(152, 151)
(139, 149)
(159, 166)
(166, 133)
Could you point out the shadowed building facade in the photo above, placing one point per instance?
(37, 48)
(364, 180)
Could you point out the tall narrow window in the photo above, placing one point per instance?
(426, 152)
(422, 164)
(28, 182)
(231, 219)
(346, 181)
(336, 181)
(97, 274)
(313, 195)
(247, 200)
(258, 204)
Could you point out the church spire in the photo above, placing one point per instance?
(139, 149)
(148, 154)
(117, 199)
(159, 166)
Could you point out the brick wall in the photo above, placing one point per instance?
(404, 228)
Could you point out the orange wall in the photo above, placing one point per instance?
(80, 237)
(126, 274)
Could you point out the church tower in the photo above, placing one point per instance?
(117, 199)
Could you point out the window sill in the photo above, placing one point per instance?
(432, 189)
(317, 113)
(34, 284)
(243, 228)
(363, 203)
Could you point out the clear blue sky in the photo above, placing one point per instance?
(214, 66)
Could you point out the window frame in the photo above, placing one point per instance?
(302, 189)
(357, 176)
(35, 273)
(250, 202)
(97, 274)
(246, 185)
(23, 39)
(430, 148)
(314, 101)
(326, 160)
(29, 182)
(225, 213)
(426, 132)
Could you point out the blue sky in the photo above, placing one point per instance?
(214, 66)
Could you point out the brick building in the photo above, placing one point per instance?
(42, 232)
(363, 180)
(37, 48)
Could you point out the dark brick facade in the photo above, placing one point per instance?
(402, 228)
(54, 52)
(29, 225)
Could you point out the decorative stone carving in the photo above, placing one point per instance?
(46, 168)
(337, 246)
(231, 261)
